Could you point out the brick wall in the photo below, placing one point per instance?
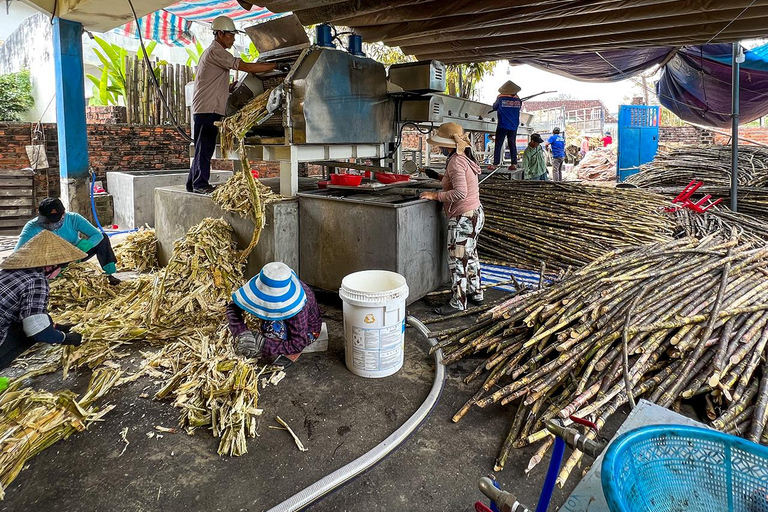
(683, 135)
(759, 134)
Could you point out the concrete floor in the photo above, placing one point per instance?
(337, 415)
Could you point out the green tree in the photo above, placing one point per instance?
(462, 79)
(386, 54)
(15, 95)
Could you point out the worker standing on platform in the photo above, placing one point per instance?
(71, 227)
(209, 101)
(461, 202)
(535, 168)
(508, 106)
(24, 291)
(557, 143)
(288, 314)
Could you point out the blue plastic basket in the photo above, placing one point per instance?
(678, 468)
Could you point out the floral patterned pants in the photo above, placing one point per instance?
(463, 260)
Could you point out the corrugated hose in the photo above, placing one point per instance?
(341, 476)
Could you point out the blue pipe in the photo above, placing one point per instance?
(96, 217)
(93, 202)
(554, 469)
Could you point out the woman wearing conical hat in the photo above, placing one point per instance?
(24, 276)
(507, 106)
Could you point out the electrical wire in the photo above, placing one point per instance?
(731, 22)
(158, 89)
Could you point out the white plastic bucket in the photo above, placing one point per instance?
(374, 322)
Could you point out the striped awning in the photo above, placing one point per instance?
(205, 11)
(170, 26)
(160, 26)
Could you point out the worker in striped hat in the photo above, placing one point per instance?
(286, 310)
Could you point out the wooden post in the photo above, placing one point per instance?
(127, 97)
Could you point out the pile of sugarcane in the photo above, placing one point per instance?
(563, 224)
(138, 252)
(666, 322)
(720, 220)
(79, 289)
(212, 386)
(31, 421)
(710, 164)
(752, 200)
(187, 296)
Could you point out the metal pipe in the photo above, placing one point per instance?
(735, 128)
(346, 473)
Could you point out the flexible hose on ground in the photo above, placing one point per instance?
(346, 473)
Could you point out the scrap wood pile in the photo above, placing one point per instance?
(138, 252)
(598, 165)
(692, 313)
(31, 420)
(527, 222)
(212, 386)
(710, 164)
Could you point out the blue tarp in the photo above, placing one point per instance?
(696, 85)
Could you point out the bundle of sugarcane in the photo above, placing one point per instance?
(31, 421)
(139, 251)
(232, 129)
(710, 164)
(527, 222)
(666, 322)
(212, 386)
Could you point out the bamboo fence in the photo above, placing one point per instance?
(143, 104)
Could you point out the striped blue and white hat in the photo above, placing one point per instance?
(274, 294)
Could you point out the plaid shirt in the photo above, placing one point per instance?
(23, 293)
(283, 336)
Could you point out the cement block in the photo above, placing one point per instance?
(177, 210)
(133, 192)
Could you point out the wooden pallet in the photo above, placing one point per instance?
(17, 200)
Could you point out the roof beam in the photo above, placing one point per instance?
(556, 30)
(521, 55)
(340, 12)
(430, 9)
(628, 20)
(394, 33)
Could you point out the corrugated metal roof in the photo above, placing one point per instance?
(481, 30)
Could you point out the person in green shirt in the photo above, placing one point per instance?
(534, 166)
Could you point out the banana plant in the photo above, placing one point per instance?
(251, 54)
(110, 86)
(194, 54)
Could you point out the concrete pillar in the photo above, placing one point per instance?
(70, 115)
(289, 174)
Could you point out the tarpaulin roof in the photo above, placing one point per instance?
(171, 25)
(519, 30)
(696, 85)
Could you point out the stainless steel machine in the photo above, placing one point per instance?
(335, 106)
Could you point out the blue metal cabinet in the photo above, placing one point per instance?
(638, 138)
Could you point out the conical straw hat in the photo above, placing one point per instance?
(509, 87)
(45, 249)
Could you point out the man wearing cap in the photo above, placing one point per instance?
(287, 312)
(24, 276)
(209, 101)
(71, 226)
(508, 106)
(557, 143)
(535, 168)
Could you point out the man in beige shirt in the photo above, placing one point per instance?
(210, 99)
